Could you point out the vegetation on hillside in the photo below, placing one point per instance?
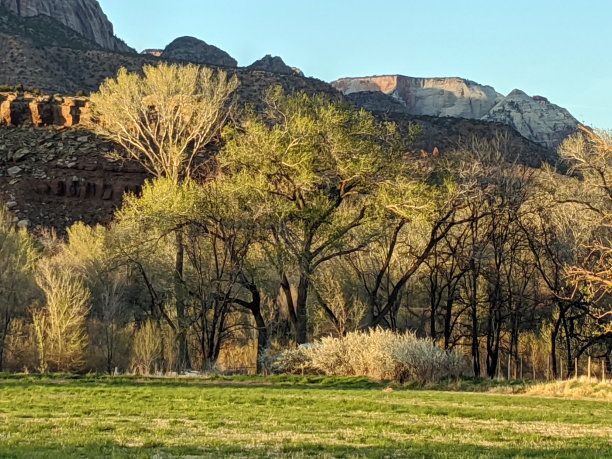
(309, 219)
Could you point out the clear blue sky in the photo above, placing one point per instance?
(558, 49)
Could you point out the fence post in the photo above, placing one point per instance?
(521, 367)
(561, 370)
(509, 361)
(576, 368)
(589, 369)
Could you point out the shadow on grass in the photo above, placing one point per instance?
(274, 381)
(157, 449)
(268, 382)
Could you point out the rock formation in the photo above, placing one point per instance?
(152, 52)
(193, 50)
(428, 96)
(84, 16)
(274, 64)
(54, 176)
(31, 110)
(533, 117)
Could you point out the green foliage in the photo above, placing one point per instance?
(316, 169)
(18, 257)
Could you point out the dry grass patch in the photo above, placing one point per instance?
(572, 388)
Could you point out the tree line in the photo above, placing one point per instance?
(263, 230)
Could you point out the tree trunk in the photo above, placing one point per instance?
(3, 335)
(182, 357)
(301, 329)
(448, 317)
(262, 337)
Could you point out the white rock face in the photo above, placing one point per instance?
(83, 16)
(429, 96)
(533, 117)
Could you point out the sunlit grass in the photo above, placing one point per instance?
(311, 416)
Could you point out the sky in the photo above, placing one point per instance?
(557, 49)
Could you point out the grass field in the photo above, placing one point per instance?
(287, 416)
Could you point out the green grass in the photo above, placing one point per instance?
(287, 416)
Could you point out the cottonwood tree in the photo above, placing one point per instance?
(18, 257)
(319, 165)
(165, 120)
(589, 153)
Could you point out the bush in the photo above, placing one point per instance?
(378, 354)
(147, 349)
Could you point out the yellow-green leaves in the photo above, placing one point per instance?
(166, 118)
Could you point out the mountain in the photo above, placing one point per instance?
(534, 117)
(83, 16)
(274, 64)
(54, 170)
(428, 96)
(194, 50)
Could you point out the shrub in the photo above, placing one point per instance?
(147, 349)
(289, 361)
(378, 354)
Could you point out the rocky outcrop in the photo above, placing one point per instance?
(193, 50)
(534, 117)
(152, 52)
(55, 176)
(274, 64)
(83, 16)
(428, 96)
(31, 110)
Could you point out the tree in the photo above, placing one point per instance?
(165, 120)
(319, 165)
(18, 257)
(589, 154)
(60, 325)
(167, 117)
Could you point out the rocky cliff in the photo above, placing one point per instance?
(274, 64)
(193, 50)
(534, 117)
(428, 96)
(83, 16)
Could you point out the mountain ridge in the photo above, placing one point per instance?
(534, 117)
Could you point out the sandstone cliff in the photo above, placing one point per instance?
(193, 50)
(534, 117)
(428, 96)
(84, 16)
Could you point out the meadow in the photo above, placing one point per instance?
(63, 416)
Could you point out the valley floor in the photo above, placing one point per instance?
(62, 416)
